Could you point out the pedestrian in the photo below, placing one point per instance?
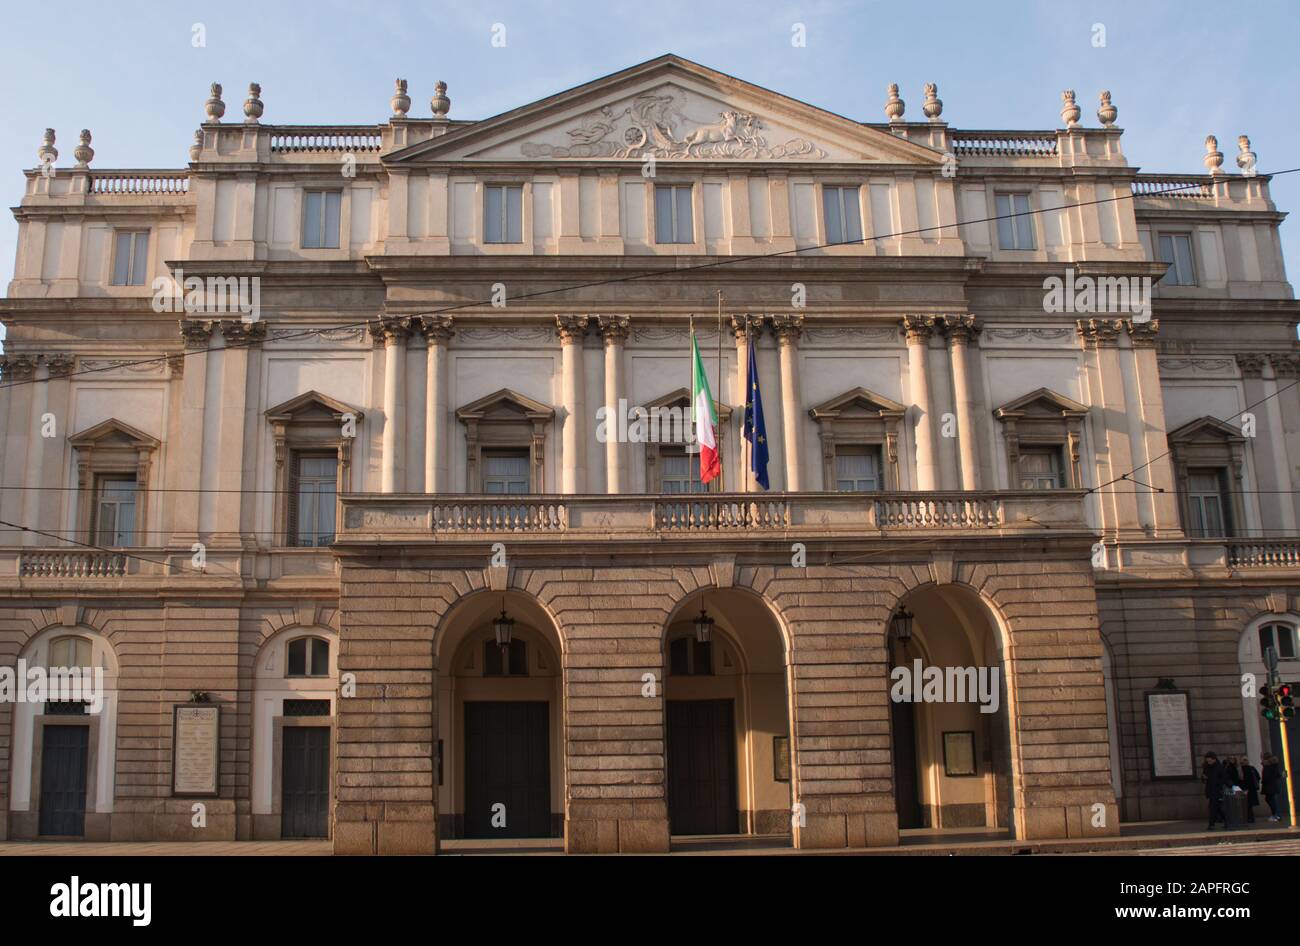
(1271, 782)
(1250, 783)
(1212, 775)
(1231, 774)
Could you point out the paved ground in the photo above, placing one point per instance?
(1160, 838)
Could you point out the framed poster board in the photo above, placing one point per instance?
(959, 754)
(780, 758)
(1169, 721)
(196, 749)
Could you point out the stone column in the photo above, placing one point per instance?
(1110, 416)
(394, 333)
(614, 329)
(19, 371)
(919, 329)
(1286, 368)
(572, 329)
(962, 330)
(1272, 472)
(240, 336)
(743, 327)
(788, 329)
(50, 506)
(1165, 518)
(437, 331)
(189, 464)
(36, 457)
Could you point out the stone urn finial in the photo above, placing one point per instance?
(47, 152)
(253, 104)
(83, 152)
(196, 149)
(214, 108)
(933, 106)
(1246, 159)
(1213, 156)
(1070, 111)
(894, 106)
(440, 103)
(401, 102)
(1106, 112)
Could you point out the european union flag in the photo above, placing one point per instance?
(755, 429)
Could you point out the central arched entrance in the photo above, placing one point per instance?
(728, 764)
(950, 719)
(500, 720)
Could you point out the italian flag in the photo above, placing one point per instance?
(705, 418)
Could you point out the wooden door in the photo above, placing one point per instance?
(64, 752)
(305, 782)
(702, 767)
(507, 770)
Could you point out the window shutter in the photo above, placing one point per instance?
(291, 502)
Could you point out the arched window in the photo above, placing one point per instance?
(308, 657)
(69, 652)
(1281, 637)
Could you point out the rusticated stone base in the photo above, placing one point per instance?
(852, 829)
(619, 827)
(1042, 822)
(385, 829)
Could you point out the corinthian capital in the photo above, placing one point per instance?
(918, 328)
(1099, 333)
(60, 364)
(241, 334)
(390, 331)
(18, 368)
(571, 328)
(962, 328)
(196, 333)
(743, 326)
(788, 328)
(1251, 365)
(437, 329)
(1143, 334)
(614, 328)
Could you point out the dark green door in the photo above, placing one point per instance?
(507, 763)
(63, 780)
(702, 767)
(305, 782)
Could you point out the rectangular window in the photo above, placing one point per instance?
(1014, 232)
(115, 501)
(1205, 503)
(312, 499)
(503, 213)
(320, 219)
(510, 661)
(1176, 250)
(1041, 468)
(857, 469)
(689, 657)
(505, 472)
(673, 216)
(843, 213)
(130, 257)
(679, 472)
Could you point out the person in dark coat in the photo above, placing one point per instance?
(1250, 784)
(1271, 782)
(1212, 774)
(1231, 774)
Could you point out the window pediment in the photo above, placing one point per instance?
(505, 406)
(1043, 404)
(311, 407)
(1206, 430)
(857, 403)
(681, 398)
(113, 434)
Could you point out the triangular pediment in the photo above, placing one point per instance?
(505, 405)
(681, 398)
(1206, 430)
(859, 402)
(311, 406)
(113, 433)
(675, 110)
(1043, 403)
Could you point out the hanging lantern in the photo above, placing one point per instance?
(902, 625)
(703, 626)
(504, 626)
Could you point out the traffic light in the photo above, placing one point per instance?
(1285, 702)
(1267, 703)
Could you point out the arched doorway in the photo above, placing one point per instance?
(65, 744)
(1282, 633)
(951, 731)
(728, 762)
(295, 686)
(500, 720)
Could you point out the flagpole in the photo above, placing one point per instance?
(717, 404)
(690, 360)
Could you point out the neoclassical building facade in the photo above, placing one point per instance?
(394, 480)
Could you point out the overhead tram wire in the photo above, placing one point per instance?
(652, 274)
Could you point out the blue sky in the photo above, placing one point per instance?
(130, 73)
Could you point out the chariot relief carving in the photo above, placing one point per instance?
(654, 124)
